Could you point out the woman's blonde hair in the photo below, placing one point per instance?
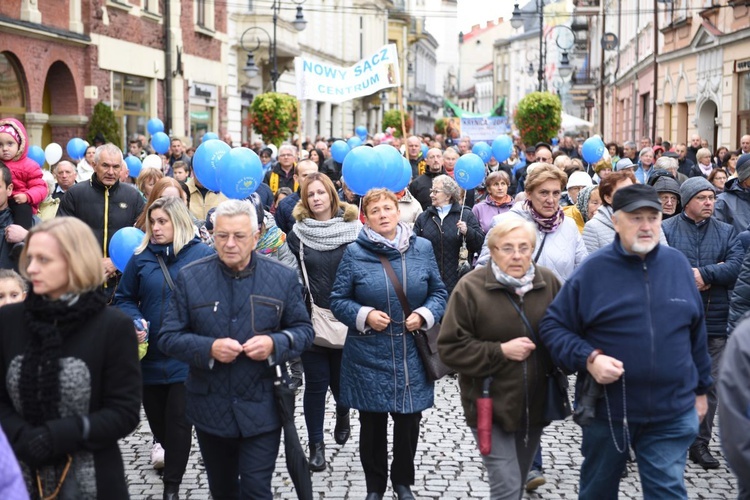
(508, 224)
(327, 185)
(542, 173)
(159, 188)
(79, 248)
(148, 174)
(182, 223)
(702, 153)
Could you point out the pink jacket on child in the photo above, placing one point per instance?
(26, 174)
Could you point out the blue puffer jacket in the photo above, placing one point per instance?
(714, 249)
(382, 371)
(654, 324)
(210, 302)
(733, 205)
(143, 293)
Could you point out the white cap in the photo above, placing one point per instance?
(579, 179)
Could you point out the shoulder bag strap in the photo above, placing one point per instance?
(164, 270)
(304, 269)
(523, 317)
(539, 253)
(396, 285)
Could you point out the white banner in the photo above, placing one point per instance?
(484, 129)
(321, 81)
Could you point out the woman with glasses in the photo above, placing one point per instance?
(484, 337)
(451, 228)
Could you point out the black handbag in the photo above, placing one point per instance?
(425, 340)
(557, 404)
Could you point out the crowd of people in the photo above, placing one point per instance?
(629, 272)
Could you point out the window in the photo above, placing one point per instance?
(645, 122)
(743, 106)
(131, 99)
(12, 99)
(151, 6)
(204, 14)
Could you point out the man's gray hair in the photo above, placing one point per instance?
(110, 149)
(63, 163)
(666, 162)
(289, 147)
(450, 187)
(234, 208)
(629, 144)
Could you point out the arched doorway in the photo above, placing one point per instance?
(707, 123)
(60, 99)
(12, 88)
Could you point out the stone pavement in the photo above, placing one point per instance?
(448, 463)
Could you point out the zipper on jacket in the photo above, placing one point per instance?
(442, 253)
(106, 226)
(407, 378)
(651, 333)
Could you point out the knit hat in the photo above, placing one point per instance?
(743, 167)
(631, 198)
(8, 129)
(666, 184)
(695, 185)
(579, 179)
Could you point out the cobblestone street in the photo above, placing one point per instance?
(448, 463)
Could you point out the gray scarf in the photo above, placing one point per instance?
(400, 242)
(327, 235)
(519, 285)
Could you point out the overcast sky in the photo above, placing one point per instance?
(471, 12)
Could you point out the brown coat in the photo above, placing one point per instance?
(479, 317)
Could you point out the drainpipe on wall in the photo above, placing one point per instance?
(656, 70)
(601, 72)
(168, 67)
(634, 96)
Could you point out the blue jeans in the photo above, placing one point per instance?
(660, 451)
(322, 370)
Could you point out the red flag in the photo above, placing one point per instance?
(484, 419)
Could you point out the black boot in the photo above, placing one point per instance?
(318, 457)
(171, 491)
(403, 492)
(342, 431)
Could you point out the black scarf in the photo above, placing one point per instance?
(50, 322)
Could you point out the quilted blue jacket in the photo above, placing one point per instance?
(143, 293)
(382, 371)
(210, 302)
(714, 249)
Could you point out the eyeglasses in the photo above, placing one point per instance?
(436, 191)
(285, 155)
(509, 251)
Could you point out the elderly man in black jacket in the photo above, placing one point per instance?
(715, 253)
(420, 187)
(233, 317)
(104, 204)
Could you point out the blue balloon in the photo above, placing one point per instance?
(593, 149)
(354, 142)
(134, 165)
(155, 125)
(405, 179)
(37, 154)
(76, 148)
(425, 149)
(240, 172)
(393, 165)
(339, 150)
(482, 150)
(206, 160)
(555, 141)
(502, 147)
(160, 142)
(361, 132)
(123, 244)
(209, 136)
(469, 172)
(363, 170)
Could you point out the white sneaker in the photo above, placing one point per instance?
(157, 456)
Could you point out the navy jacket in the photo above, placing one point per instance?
(714, 249)
(143, 293)
(382, 371)
(210, 302)
(654, 324)
(740, 299)
(283, 216)
(733, 205)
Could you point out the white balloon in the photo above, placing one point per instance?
(152, 161)
(52, 153)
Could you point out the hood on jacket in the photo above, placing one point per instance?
(733, 186)
(23, 148)
(666, 184)
(347, 211)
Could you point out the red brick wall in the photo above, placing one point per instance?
(36, 57)
(55, 13)
(198, 44)
(10, 8)
(124, 26)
